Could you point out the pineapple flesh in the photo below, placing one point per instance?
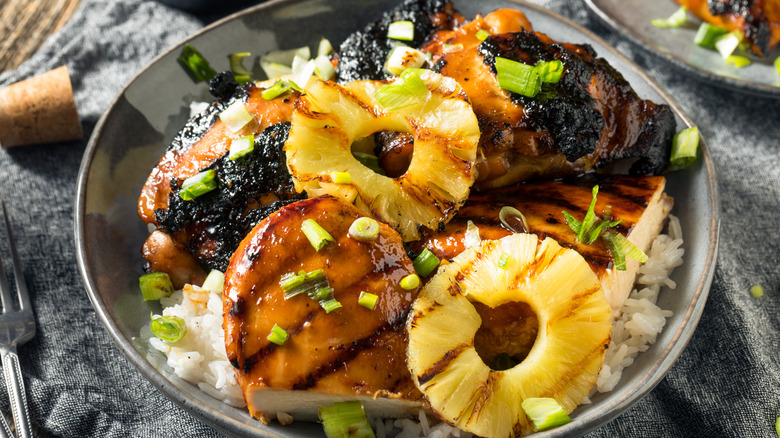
(329, 118)
(574, 324)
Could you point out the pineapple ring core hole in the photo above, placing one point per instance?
(506, 334)
(394, 150)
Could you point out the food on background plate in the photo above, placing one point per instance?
(330, 205)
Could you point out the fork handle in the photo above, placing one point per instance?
(15, 385)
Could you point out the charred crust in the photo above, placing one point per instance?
(223, 86)
(238, 308)
(221, 218)
(362, 54)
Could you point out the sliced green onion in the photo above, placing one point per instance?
(545, 413)
(169, 328)
(684, 146)
(401, 30)
(367, 300)
(278, 335)
(317, 235)
(214, 282)
(198, 185)
(726, 44)
(622, 248)
(303, 72)
(341, 177)
(275, 69)
(502, 362)
(330, 305)
(550, 71)
(324, 47)
(345, 420)
(369, 160)
(425, 263)
(518, 77)
(403, 57)
(276, 90)
(503, 261)
(322, 294)
(508, 213)
(408, 89)
(677, 19)
(738, 61)
(757, 291)
(590, 217)
(195, 64)
(410, 282)
(242, 147)
(708, 34)
(482, 34)
(236, 116)
(596, 231)
(308, 283)
(451, 47)
(155, 285)
(777, 64)
(241, 74)
(364, 229)
(572, 222)
(323, 68)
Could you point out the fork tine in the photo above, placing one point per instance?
(5, 288)
(21, 285)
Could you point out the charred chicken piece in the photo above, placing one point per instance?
(639, 201)
(351, 353)
(758, 20)
(210, 227)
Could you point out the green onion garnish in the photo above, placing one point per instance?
(401, 30)
(323, 68)
(214, 282)
(590, 219)
(545, 412)
(369, 160)
(622, 248)
(241, 74)
(738, 61)
(503, 261)
(330, 305)
(410, 282)
(677, 19)
(403, 57)
(726, 44)
(236, 116)
(345, 420)
(508, 213)
(322, 294)
(482, 34)
(341, 177)
(777, 64)
(684, 146)
(198, 185)
(408, 89)
(317, 235)
(364, 229)
(518, 77)
(367, 300)
(708, 34)
(195, 64)
(276, 90)
(169, 328)
(242, 147)
(550, 71)
(777, 422)
(155, 285)
(278, 335)
(757, 291)
(324, 47)
(293, 284)
(425, 263)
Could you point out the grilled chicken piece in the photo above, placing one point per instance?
(639, 201)
(758, 20)
(211, 226)
(352, 353)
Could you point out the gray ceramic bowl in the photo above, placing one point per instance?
(154, 106)
(632, 19)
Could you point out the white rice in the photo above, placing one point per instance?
(200, 358)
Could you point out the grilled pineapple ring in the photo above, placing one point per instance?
(330, 117)
(564, 362)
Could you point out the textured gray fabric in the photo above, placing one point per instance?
(726, 383)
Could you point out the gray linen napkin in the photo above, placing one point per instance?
(726, 383)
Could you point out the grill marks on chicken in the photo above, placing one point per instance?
(758, 20)
(350, 352)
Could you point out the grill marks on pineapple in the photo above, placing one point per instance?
(441, 364)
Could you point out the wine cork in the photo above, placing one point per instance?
(39, 110)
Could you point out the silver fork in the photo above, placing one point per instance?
(17, 326)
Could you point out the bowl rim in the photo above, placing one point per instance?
(233, 426)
